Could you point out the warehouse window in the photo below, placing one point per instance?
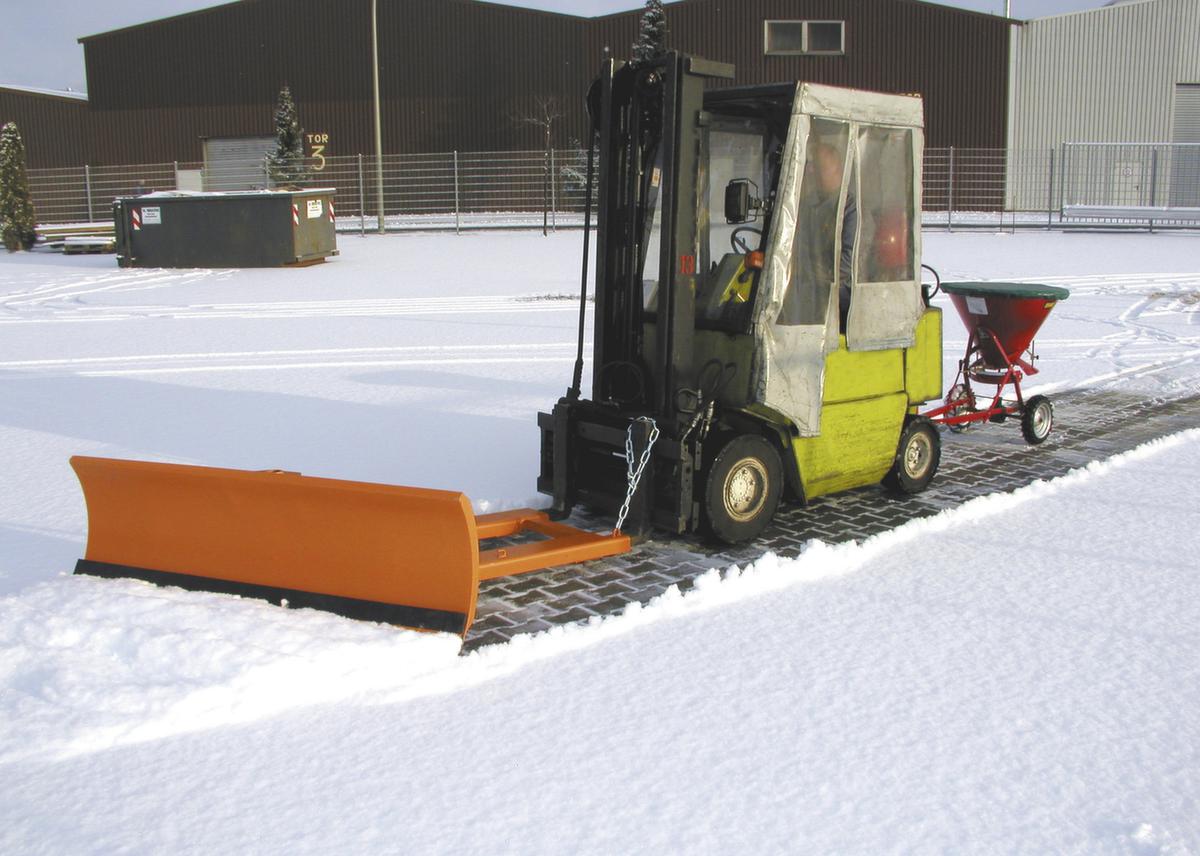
(805, 37)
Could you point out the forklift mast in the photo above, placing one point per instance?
(648, 120)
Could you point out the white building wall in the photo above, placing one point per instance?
(1106, 75)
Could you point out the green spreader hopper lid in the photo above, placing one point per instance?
(1006, 289)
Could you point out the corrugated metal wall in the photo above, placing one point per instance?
(454, 74)
(53, 128)
(1107, 75)
(465, 75)
(956, 60)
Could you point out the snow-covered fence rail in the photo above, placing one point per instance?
(962, 187)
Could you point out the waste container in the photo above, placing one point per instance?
(259, 228)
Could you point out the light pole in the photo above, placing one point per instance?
(378, 128)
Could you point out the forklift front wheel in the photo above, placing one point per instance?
(743, 488)
(917, 457)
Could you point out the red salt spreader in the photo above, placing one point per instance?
(1001, 318)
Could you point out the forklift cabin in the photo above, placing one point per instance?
(759, 321)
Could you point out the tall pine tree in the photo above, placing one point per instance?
(652, 35)
(17, 223)
(286, 165)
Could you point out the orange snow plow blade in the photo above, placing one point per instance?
(401, 555)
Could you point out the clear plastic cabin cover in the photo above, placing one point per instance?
(844, 251)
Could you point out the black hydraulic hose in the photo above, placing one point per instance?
(577, 379)
(928, 295)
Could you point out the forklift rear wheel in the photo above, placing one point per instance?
(917, 457)
(1037, 419)
(742, 489)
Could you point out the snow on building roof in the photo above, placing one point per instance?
(54, 93)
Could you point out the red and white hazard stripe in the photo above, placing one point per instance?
(135, 216)
(295, 214)
(331, 218)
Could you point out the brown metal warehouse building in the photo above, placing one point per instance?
(55, 126)
(460, 74)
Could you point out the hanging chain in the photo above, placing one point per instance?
(634, 475)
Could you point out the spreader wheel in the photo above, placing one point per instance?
(1037, 419)
(960, 392)
(917, 457)
(742, 489)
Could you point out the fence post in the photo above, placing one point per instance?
(1050, 193)
(1153, 177)
(362, 208)
(457, 216)
(1062, 181)
(950, 195)
(87, 187)
(553, 195)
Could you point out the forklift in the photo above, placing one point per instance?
(760, 326)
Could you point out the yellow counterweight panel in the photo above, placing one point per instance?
(853, 375)
(866, 396)
(923, 361)
(856, 447)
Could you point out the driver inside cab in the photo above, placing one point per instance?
(816, 253)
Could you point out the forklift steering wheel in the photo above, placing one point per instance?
(741, 245)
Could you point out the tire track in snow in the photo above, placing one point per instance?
(70, 293)
(273, 360)
(1120, 283)
(362, 308)
(1136, 344)
(1130, 333)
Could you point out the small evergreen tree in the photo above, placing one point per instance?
(286, 165)
(17, 223)
(652, 35)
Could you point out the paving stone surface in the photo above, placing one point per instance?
(989, 458)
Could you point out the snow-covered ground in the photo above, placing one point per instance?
(1019, 674)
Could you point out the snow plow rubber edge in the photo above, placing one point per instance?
(401, 555)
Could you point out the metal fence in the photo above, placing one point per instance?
(963, 188)
(1131, 174)
(465, 188)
